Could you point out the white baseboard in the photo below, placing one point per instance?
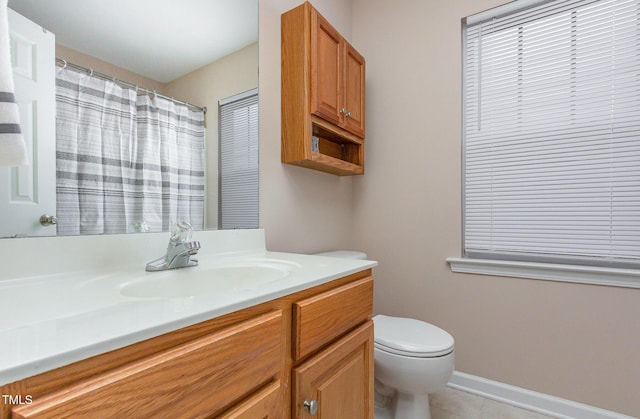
(530, 400)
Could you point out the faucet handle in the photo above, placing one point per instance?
(181, 232)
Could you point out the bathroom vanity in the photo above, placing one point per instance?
(298, 345)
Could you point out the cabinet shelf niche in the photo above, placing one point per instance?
(342, 152)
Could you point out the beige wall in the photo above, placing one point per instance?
(76, 57)
(579, 342)
(228, 76)
(302, 210)
(574, 341)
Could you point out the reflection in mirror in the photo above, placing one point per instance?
(121, 141)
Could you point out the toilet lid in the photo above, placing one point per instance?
(345, 254)
(410, 337)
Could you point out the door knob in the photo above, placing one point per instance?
(311, 406)
(48, 220)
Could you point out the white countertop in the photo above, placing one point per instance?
(48, 320)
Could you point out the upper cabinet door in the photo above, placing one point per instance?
(326, 70)
(354, 91)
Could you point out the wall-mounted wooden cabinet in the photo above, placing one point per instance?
(323, 95)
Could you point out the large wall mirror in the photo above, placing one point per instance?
(136, 115)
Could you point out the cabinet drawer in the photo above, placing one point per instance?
(265, 404)
(320, 319)
(196, 379)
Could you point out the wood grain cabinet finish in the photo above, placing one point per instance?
(354, 88)
(337, 77)
(223, 365)
(339, 379)
(236, 366)
(333, 350)
(323, 95)
(327, 59)
(265, 404)
(321, 318)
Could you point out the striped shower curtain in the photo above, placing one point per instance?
(125, 162)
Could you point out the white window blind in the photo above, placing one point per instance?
(239, 161)
(552, 133)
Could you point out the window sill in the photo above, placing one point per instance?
(629, 278)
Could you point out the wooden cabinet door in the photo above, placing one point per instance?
(326, 70)
(339, 379)
(354, 78)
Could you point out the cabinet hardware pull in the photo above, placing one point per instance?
(311, 406)
(343, 111)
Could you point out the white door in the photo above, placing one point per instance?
(28, 192)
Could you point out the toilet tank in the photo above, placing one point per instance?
(346, 254)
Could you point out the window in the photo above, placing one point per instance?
(239, 161)
(552, 133)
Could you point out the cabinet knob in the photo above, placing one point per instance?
(348, 114)
(311, 406)
(47, 220)
(343, 111)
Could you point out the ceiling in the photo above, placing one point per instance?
(159, 39)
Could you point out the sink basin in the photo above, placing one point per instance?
(202, 281)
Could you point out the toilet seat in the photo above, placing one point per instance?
(410, 337)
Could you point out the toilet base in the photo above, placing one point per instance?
(403, 406)
(412, 406)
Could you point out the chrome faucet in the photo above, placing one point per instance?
(179, 251)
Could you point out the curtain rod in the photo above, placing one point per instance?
(90, 71)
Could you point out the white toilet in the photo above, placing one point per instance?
(412, 359)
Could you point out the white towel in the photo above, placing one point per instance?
(13, 151)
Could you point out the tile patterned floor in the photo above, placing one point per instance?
(455, 404)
